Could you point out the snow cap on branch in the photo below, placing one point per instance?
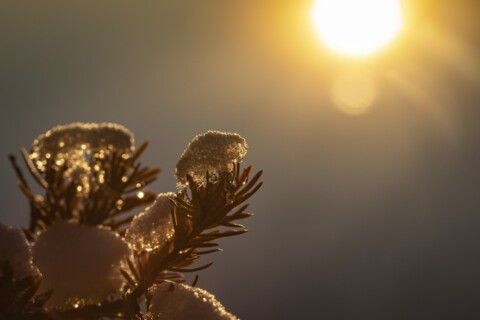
(174, 301)
(86, 136)
(154, 227)
(78, 145)
(80, 263)
(15, 250)
(213, 151)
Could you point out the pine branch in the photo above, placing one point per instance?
(107, 186)
(18, 298)
(207, 207)
(118, 184)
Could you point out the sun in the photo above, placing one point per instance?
(357, 27)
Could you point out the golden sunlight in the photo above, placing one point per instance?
(357, 27)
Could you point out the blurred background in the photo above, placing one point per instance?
(370, 208)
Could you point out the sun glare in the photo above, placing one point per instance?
(357, 27)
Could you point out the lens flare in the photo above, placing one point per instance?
(354, 93)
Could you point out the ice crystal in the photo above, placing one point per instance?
(76, 144)
(80, 263)
(153, 228)
(15, 250)
(213, 151)
(182, 302)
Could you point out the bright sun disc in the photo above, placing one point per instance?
(357, 27)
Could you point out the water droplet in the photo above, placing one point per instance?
(119, 204)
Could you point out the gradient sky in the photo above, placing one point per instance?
(369, 217)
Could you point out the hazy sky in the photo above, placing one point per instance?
(369, 217)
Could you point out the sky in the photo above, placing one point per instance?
(373, 216)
